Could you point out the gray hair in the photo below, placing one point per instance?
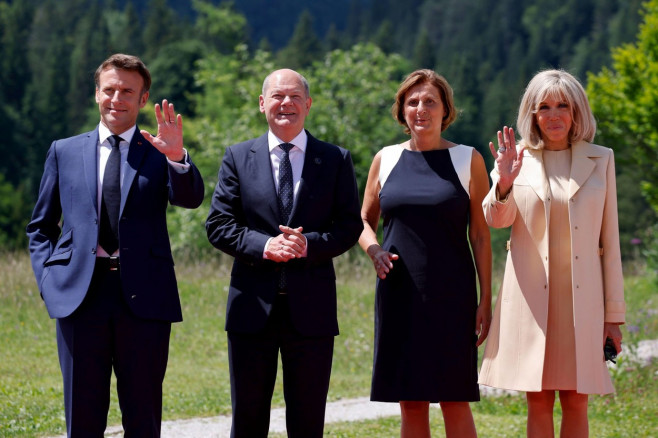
(303, 80)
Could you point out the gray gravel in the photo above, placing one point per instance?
(342, 410)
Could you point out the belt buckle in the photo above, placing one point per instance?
(114, 263)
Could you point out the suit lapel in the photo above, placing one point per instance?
(313, 159)
(90, 165)
(136, 153)
(582, 166)
(260, 162)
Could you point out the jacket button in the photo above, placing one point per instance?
(133, 297)
(93, 250)
(576, 257)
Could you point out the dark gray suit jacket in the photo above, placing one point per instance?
(244, 214)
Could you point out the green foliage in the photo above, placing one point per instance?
(651, 251)
(93, 45)
(635, 215)
(14, 212)
(200, 54)
(352, 91)
(424, 55)
(220, 27)
(304, 46)
(228, 103)
(161, 28)
(173, 71)
(625, 100)
(124, 29)
(382, 37)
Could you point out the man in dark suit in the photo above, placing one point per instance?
(284, 206)
(106, 271)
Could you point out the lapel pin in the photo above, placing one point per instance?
(318, 161)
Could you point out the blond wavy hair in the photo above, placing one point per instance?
(560, 85)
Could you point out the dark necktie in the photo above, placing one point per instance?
(285, 184)
(111, 200)
(285, 199)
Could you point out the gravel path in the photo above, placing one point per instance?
(338, 411)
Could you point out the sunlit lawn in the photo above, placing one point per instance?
(197, 382)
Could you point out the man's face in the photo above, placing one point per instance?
(119, 97)
(285, 104)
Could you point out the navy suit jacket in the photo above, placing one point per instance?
(244, 213)
(63, 254)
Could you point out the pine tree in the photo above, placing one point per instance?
(304, 46)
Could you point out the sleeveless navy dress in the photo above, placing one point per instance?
(425, 308)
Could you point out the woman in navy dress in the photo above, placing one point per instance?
(428, 323)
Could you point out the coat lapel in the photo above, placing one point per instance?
(136, 153)
(534, 172)
(582, 165)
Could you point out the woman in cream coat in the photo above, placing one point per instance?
(562, 291)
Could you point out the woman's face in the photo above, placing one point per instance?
(423, 109)
(554, 121)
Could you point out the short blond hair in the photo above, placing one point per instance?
(419, 77)
(561, 85)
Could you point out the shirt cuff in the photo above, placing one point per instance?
(266, 244)
(305, 253)
(180, 166)
(503, 200)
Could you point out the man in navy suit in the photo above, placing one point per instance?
(101, 255)
(284, 206)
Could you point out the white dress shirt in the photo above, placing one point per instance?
(296, 156)
(104, 149)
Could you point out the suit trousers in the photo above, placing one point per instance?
(253, 361)
(103, 334)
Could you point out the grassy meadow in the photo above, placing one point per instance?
(197, 382)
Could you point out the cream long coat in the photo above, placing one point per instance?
(514, 354)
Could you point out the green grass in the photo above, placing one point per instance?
(197, 381)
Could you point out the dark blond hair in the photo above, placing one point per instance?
(120, 61)
(560, 85)
(420, 77)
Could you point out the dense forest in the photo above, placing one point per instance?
(210, 57)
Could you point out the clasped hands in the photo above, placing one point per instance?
(169, 139)
(290, 244)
